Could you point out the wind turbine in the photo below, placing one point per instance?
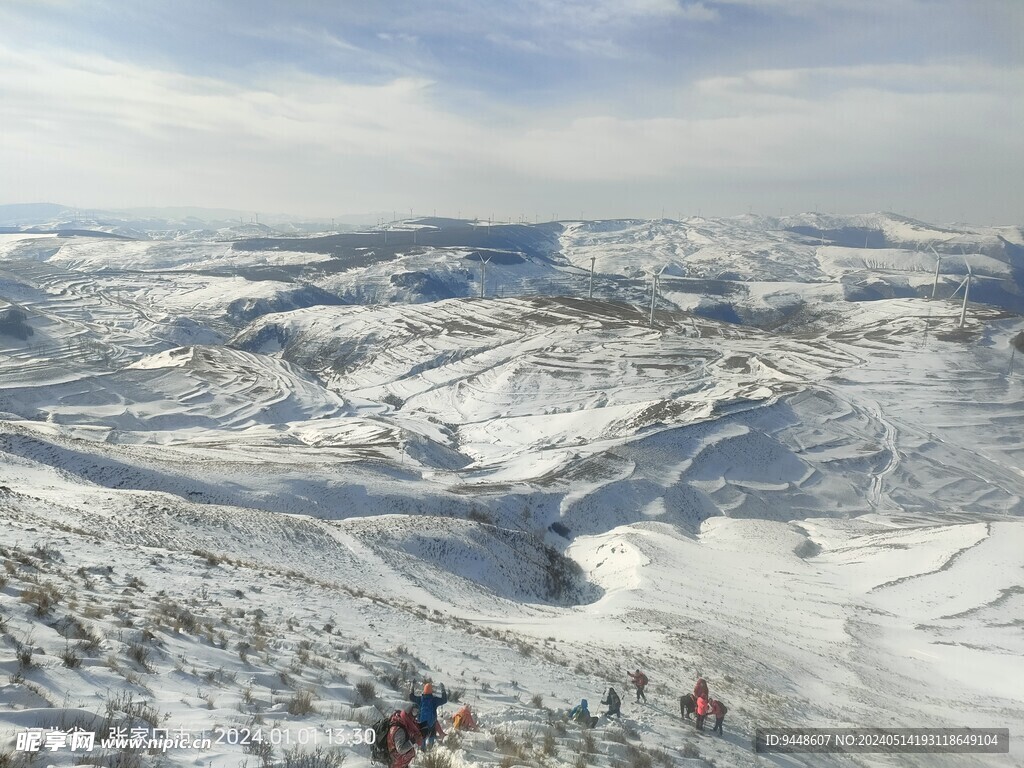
(967, 291)
(483, 274)
(592, 259)
(935, 282)
(654, 291)
(966, 285)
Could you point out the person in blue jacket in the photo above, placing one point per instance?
(428, 704)
(581, 714)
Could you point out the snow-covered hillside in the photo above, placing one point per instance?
(250, 484)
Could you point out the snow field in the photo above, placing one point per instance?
(820, 512)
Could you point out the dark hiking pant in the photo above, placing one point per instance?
(700, 722)
(427, 731)
(718, 726)
(640, 694)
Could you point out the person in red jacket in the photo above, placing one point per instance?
(718, 709)
(700, 689)
(640, 681)
(702, 711)
(403, 736)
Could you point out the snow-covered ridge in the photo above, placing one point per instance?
(720, 268)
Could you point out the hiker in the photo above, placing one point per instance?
(639, 679)
(702, 712)
(428, 704)
(700, 689)
(463, 720)
(687, 704)
(403, 736)
(718, 709)
(581, 714)
(613, 702)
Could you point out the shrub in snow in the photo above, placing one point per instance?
(131, 713)
(261, 749)
(434, 758)
(547, 745)
(318, 758)
(588, 744)
(662, 757)
(140, 655)
(367, 691)
(71, 659)
(301, 704)
(638, 758)
(42, 597)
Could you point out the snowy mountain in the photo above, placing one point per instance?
(259, 482)
(166, 223)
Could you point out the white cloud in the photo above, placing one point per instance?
(801, 122)
(397, 37)
(946, 77)
(778, 79)
(831, 7)
(602, 14)
(91, 95)
(517, 43)
(85, 126)
(597, 47)
(698, 12)
(108, 132)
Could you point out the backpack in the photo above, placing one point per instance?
(379, 748)
(463, 720)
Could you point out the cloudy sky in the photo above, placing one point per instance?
(517, 107)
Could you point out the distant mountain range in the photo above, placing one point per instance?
(172, 218)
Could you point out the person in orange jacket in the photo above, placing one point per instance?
(718, 709)
(702, 711)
